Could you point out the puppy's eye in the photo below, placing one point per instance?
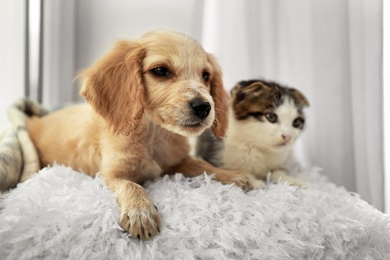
(205, 76)
(298, 122)
(271, 117)
(161, 72)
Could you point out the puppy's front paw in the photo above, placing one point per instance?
(140, 218)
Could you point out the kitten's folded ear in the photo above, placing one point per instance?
(236, 93)
(301, 99)
(247, 88)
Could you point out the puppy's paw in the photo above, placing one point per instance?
(140, 218)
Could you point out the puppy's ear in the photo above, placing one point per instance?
(114, 87)
(220, 98)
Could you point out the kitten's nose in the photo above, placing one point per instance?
(286, 137)
(201, 108)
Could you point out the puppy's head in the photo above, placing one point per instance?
(165, 76)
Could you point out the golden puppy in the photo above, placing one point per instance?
(144, 97)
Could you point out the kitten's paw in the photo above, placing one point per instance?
(140, 219)
(297, 183)
(258, 184)
(243, 182)
(240, 180)
(281, 176)
(292, 181)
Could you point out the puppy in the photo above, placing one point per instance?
(145, 97)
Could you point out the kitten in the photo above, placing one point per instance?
(265, 120)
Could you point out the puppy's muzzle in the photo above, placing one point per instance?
(200, 108)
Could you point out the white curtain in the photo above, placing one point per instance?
(332, 51)
(11, 55)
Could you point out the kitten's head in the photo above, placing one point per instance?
(269, 113)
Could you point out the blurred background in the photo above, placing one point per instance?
(332, 50)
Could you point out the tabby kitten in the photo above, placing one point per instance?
(265, 121)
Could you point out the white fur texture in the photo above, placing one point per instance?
(62, 214)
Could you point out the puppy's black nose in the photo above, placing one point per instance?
(201, 108)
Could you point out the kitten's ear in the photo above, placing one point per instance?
(299, 98)
(247, 88)
(236, 94)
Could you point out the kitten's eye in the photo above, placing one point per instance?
(298, 122)
(271, 117)
(205, 76)
(161, 72)
(256, 115)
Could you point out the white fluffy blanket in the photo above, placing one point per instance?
(62, 214)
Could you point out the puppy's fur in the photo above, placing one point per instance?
(141, 106)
